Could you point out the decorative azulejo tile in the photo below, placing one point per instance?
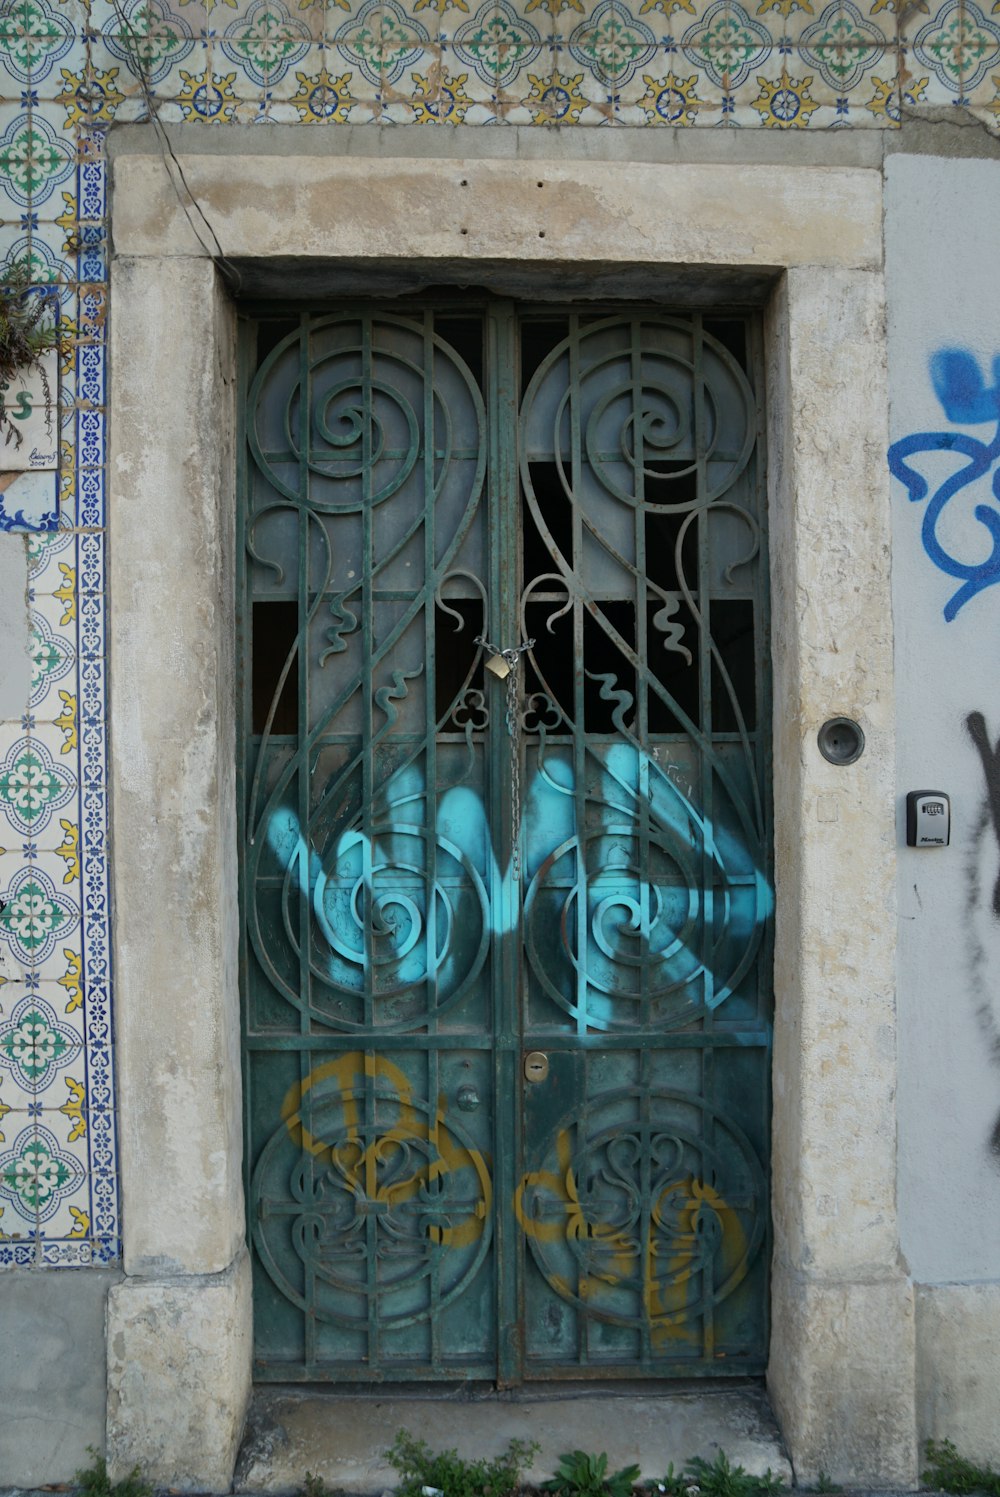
(90, 97)
(30, 503)
(38, 1174)
(958, 46)
(266, 42)
(53, 654)
(38, 251)
(497, 44)
(323, 97)
(149, 37)
(727, 44)
(36, 916)
(34, 36)
(207, 98)
(842, 45)
(612, 45)
(33, 786)
(36, 1045)
(33, 160)
(383, 42)
(555, 98)
(671, 99)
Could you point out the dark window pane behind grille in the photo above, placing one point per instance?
(602, 658)
(732, 334)
(557, 515)
(275, 627)
(270, 334)
(455, 649)
(733, 636)
(537, 340)
(465, 337)
(662, 531)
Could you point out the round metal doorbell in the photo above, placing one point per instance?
(841, 740)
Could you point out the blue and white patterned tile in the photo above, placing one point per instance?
(727, 46)
(36, 786)
(385, 45)
(264, 44)
(90, 434)
(497, 46)
(39, 918)
(16, 1252)
(955, 48)
(39, 1048)
(30, 503)
(842, 47)
(35, 37)
(148, 38)
(34, 161)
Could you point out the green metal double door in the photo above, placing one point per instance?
(505, 870)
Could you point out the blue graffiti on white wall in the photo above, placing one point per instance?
(967, 400)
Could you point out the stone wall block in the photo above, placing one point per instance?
(834, 1120)
(842, 1380)
(179, 1377)
(171, 520)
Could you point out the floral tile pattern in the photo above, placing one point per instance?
(69, 70)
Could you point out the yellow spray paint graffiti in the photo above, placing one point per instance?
(690, 1249)
(365, 1164)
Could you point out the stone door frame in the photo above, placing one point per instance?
(804, 241)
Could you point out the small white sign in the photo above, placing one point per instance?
(31, 405)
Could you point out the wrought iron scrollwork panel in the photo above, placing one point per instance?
(446, 867)
(648, 893)
(367, 443)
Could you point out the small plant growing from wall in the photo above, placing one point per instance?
(28, 331)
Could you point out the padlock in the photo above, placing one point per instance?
(499, 667)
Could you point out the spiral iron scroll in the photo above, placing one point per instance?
(649, 907)
(354, 898)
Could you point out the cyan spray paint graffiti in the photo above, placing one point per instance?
(462, 828)
(585, 1243)
(967, 400)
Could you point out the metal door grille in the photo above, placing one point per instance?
(590, 482)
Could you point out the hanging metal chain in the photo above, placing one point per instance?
(503, 664)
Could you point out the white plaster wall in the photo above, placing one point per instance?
(942, 233)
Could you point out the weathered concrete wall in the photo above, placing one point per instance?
(52, 1373)
(942, 229)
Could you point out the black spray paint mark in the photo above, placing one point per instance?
(982, 971)
(976, 724)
